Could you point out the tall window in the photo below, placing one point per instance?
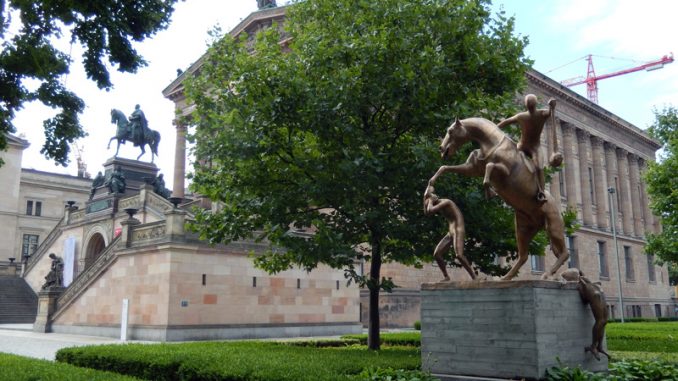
(537, 262)
(628, 261)
(651, 276)
(30, 243)
(33, 208)
(602, 259)
(592, 189)
(572, 250)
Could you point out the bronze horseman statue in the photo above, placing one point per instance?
(135, 130)
(512, 171)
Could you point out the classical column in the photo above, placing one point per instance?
(624, 190)
(554, 186)
(570, 184)
(600, 182)
(586, 204)
(611, 166)
(634, 180)
(179, 161)
(645, 200)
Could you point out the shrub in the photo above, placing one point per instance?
(246, 360)
(417, 325)
(389, 374)
(619, 371)
(392, 339)
(13, 367)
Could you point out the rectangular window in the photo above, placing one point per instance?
(636, 311)
(651, 276)
(628, 262)
(537, 262)
(592, 189)
(29, 208)
(30, 244)
(572, 251)
(602, 259)
(38, 208)
(658, 310)
(33, 211)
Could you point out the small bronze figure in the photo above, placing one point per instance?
(592, 293)
(98, 181)
(455, 235)
(55, 277)
(158, 184)
(116, 183)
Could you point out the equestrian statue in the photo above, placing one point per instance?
(135, 130)
(512, 171)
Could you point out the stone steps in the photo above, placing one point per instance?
(18, 302)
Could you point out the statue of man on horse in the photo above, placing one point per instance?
(134, 130)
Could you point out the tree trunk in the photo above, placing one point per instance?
(375, 269)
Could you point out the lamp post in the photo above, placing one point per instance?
(613, 222)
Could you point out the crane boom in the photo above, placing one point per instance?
(592, 79)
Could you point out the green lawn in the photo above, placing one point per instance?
(18, 368)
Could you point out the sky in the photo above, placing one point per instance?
(559, 31)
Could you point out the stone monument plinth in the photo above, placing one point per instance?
(46, 307)
(504, 329)
(137, 174)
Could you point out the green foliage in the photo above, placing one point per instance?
(654, 337)
(338, 129)
(570, 220)
(662, 185)
(640, 370)
(323, 343)
(389, 374)
(417, 325)
(238, 360)
(391, 339)
(106, 28)
(18, 368)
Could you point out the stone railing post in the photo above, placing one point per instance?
(127, 230)
(175, 220)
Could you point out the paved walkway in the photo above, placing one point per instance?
(14, 338)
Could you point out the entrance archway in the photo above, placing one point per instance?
(95, 247)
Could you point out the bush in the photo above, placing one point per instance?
(20, 368)
(391, 339)
(246, 360)
(388, 374)
(417, 325)
(619, 371)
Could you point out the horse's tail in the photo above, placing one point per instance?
(156, 142)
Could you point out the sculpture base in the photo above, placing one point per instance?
(46, 307)
(504, 329)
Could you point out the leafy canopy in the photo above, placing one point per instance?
(337, 129)
(106, 28)
(662, 185)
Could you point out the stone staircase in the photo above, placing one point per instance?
(18, 302)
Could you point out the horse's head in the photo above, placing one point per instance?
(456, 136)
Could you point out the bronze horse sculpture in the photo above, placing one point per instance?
(513, 177)
(124, 133)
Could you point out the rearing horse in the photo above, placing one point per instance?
(122, 134)
(513, 178)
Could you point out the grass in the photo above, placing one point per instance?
(656, 337)
(18, 368)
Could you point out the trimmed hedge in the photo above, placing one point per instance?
(619, 371)
(657, 337)
(391, 339)
(18, 368)
(246, 360)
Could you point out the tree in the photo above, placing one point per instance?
(662, 185)
(338, 130)
(106, 28)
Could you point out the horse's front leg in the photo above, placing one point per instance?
(117, 149)
(109, 143)
(143, 151)
(471, 168)
(491, 169)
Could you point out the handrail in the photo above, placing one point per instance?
(84, 279)
(42, 249)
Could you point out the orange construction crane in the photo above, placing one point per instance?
(592, 79)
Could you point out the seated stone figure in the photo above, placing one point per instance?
(55, 277)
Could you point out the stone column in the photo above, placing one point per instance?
(570, 185)
(586, 202)
(127, 230)
(624, 190)
(179, 161)
(649, 217)
(600, 182)
(611, 165)
(554, 186)
(634, 179)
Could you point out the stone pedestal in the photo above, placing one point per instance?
(46, 307)
(504, 329)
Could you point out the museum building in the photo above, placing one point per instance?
(601, 151)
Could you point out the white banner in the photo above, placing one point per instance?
(69, 260)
